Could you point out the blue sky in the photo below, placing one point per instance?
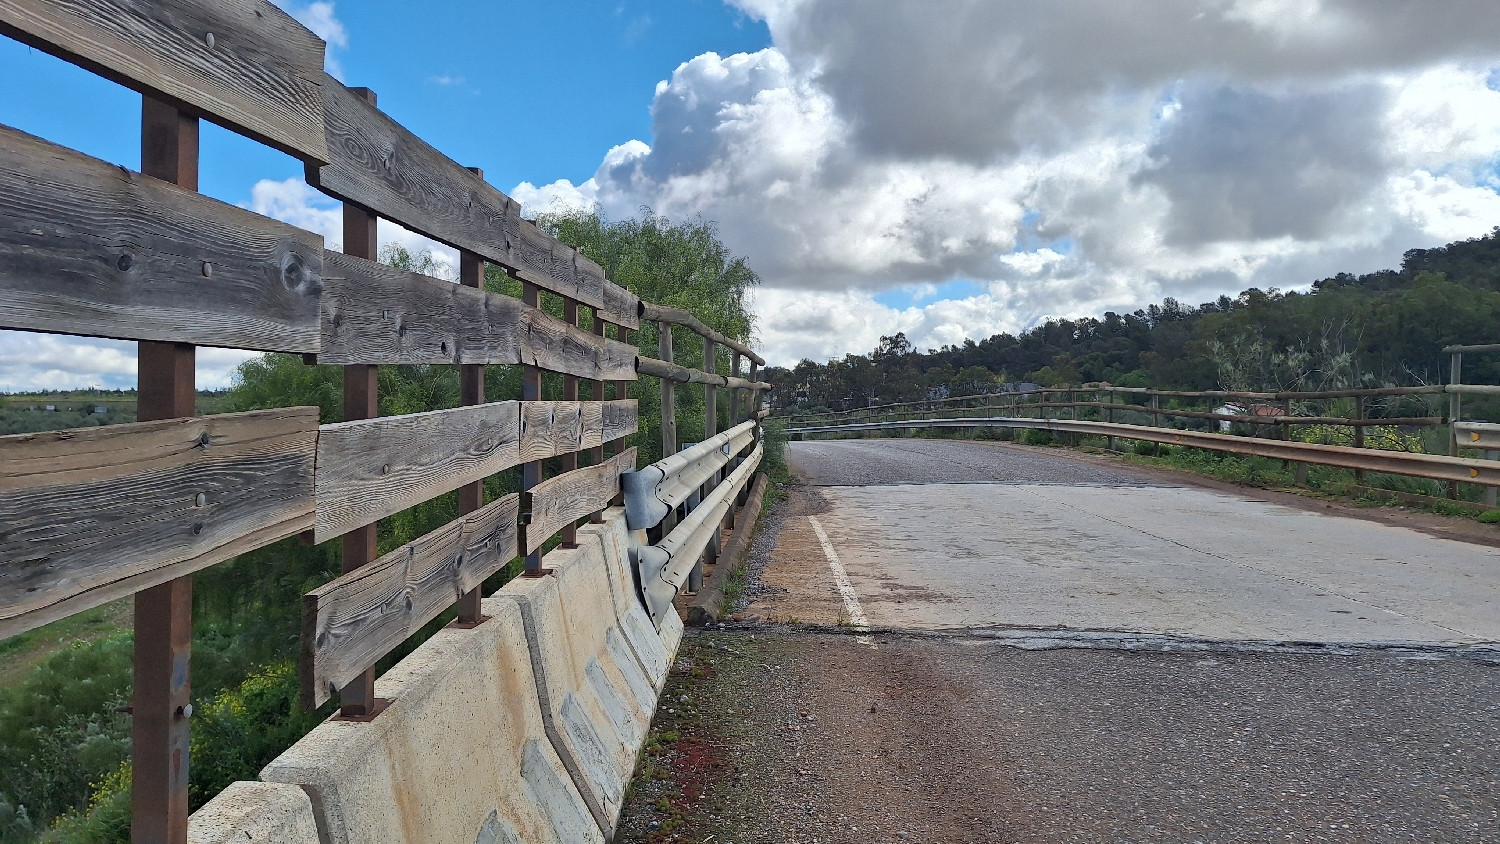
(527, 91)
(947, 168)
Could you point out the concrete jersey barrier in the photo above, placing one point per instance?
(460, 755)
(255, 812)
(525, 728)
(596, 700)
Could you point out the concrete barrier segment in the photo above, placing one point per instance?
(590, 694)
(460, 755)
(248, 812)
(630, 614)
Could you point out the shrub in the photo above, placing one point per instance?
(1037, 436)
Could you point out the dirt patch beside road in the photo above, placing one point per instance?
(812, 737)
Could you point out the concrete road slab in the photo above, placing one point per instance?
(1106, 551)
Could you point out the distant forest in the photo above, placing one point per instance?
(1385, 328)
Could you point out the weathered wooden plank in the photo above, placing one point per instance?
(621, 419)
(90, 248)
(243, 64)
(375, 314)
(351, 622)
(568, 497)
(550, 428)
(378, 164)
(652, 312)
(554, 345)
(95, 514)
(371, 468)
(591, 421)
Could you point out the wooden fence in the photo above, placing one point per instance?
(1178, 416)
(89, 248)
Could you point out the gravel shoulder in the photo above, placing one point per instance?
(784, 735)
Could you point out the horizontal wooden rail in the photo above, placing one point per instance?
(568, 497)
(676, 316)
(94, 514)
(685, 375)
(1410, 421)
(373, 468)
(376, 163)
(1484, 347)
(243, 64)
(1437, 467)
(990, 398)
(375, 314)
(94, 249)
(351, 622)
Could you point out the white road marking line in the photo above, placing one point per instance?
(841, 579)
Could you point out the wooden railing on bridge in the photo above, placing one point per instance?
(90, 248)
(1270, 419)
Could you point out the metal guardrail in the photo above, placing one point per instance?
(664, 567)
(1437, 467)
(653, 491)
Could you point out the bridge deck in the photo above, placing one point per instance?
(1213, 733)
(940, 535)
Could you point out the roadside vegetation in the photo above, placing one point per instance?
(65, 744)
(1380, 329)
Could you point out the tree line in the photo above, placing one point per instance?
(1385, 328)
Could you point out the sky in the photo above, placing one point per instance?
(947, 168)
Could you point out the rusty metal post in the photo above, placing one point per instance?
(1156, 420)
(361, 401)
(1359, 434)
(622, 391)
(569, 461)
(471, 392)
(1111, 418)
(596, 454)
(1455, 412)
(161, 701)
(531, 470)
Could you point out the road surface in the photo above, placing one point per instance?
(1070, 650)
(941, 534)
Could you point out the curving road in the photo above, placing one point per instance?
(940, 534)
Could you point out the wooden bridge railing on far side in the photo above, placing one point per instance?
(1270, 420)
(90, 248)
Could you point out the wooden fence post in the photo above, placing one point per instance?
(736, 415)
(668, 396)
(710, 428)
(161, 697)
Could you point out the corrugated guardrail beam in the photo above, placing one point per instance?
(653, 491)
(1437, 467)
(664, 567)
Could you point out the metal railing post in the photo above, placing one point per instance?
(161, 695)
(471, 392)
(1455, 412)
(531, 471)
